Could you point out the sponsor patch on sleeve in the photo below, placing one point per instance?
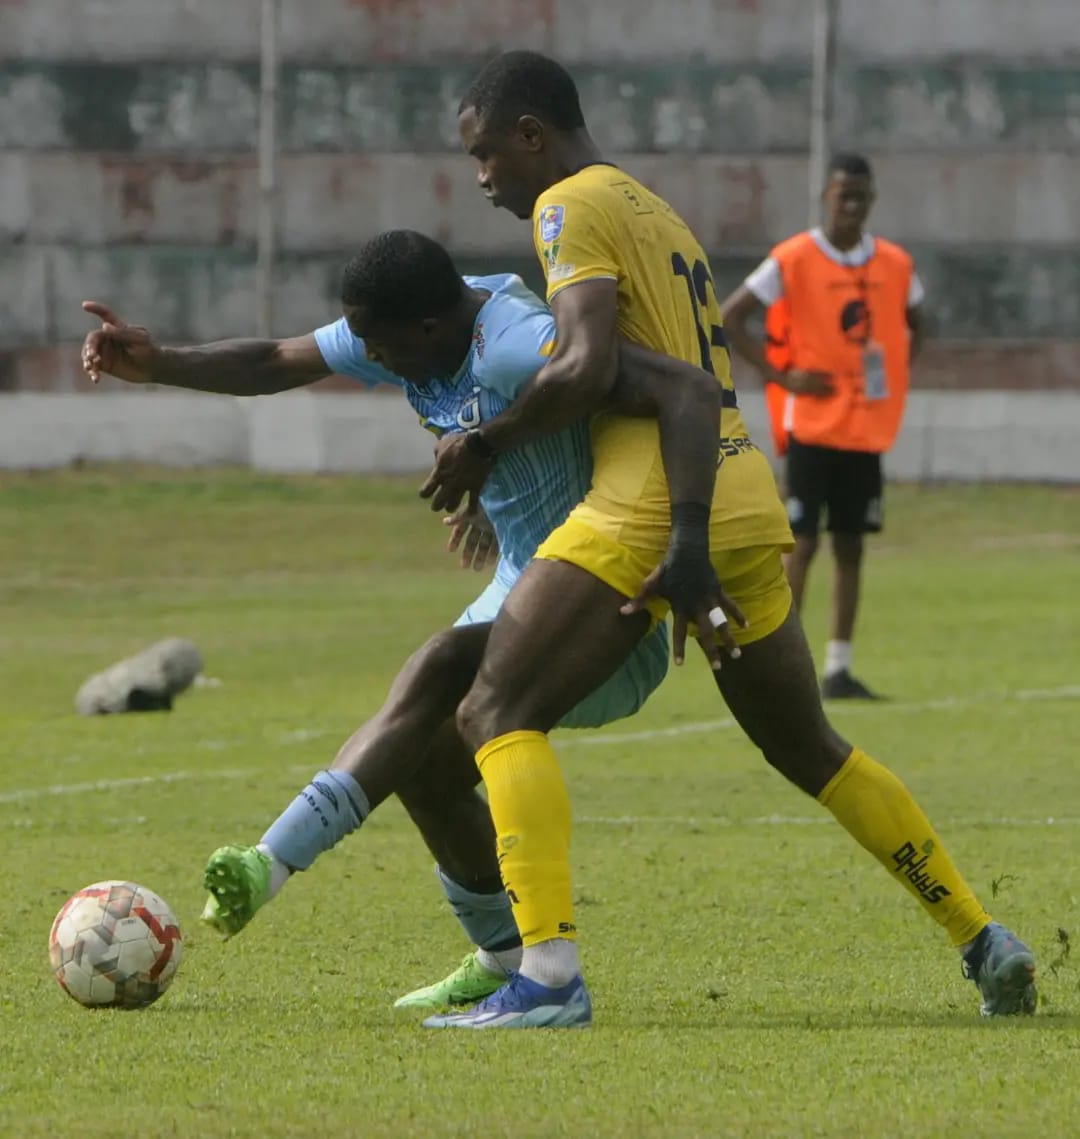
(551, 223)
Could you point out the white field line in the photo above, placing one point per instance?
(701, 727)
(823, 819)
(93, 785)
(90, 786)
(1066, 692)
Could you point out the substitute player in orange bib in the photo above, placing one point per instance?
(620, 261)
(843, 323)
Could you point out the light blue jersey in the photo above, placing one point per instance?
(531, 490)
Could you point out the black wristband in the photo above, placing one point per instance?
(690, 524)
(479, 446)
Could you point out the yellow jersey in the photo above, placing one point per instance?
(602, 224)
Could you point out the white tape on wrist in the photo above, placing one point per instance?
(717, 617)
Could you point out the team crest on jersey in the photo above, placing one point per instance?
(551, 223)
(469, 413)
(479, 342)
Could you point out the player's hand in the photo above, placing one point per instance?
(458, 473)
(122, 350)
(803, 382)
(695, 594)
(472, 532)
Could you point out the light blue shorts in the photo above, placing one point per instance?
(622, 694)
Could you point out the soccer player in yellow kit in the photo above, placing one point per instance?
(619, 261)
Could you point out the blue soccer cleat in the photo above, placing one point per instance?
(524, 1003)
(1003, 968)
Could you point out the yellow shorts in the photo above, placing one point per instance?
(753, 577)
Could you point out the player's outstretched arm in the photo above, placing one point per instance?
(231, 367)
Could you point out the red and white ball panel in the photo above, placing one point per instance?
(115, 944)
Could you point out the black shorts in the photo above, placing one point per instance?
(847, 483)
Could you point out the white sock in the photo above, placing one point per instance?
(837, 657)
(553, 963)
(500, 960)
(279, 872)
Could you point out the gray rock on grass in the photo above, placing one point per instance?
(146, 682)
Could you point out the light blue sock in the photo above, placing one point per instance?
(331, 806)
(487, 919)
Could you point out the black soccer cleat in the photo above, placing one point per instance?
(843, 686)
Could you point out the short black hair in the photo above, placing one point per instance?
(402, 275)
(848, 162)
(520, 83)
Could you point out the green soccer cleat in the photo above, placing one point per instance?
(468, 983)
(238, 878)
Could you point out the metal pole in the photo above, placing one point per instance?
(821, 100)
(266, 230)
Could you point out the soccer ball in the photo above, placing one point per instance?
(115, 945)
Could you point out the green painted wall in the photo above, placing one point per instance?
(689, 107)
(194, 294)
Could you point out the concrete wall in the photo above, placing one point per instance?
(1019, 436)
(341, 31)
(127, 164)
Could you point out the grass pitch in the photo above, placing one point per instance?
(753, 972)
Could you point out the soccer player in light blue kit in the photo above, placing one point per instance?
(474, 343)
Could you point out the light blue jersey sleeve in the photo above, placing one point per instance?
(345, 354)
(519, 344)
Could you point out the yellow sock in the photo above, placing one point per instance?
(878, 811)
(531, 811)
